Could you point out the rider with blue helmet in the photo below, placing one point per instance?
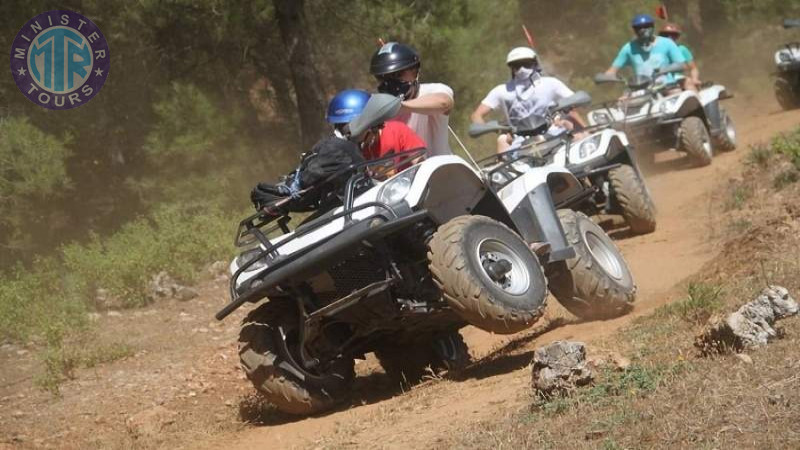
(647, 52)
(392, 137)
(344, 107)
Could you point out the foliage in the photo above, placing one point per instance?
(33, 176)
(702, 301)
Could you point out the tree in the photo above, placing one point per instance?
(305, 76)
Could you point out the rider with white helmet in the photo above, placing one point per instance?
(527, 94)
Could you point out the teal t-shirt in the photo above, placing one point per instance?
(661, 53)
(687, 54)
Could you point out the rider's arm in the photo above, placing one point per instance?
(694, 73)
(620, 61)
(438, 100)
(480, 113)
(577, 118)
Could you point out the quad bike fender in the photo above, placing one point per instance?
(447, 187)
(531, 200)
(685, 104)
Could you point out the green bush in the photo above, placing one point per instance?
(174, 240)
(702, 301)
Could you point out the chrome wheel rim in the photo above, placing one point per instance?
(516, 280)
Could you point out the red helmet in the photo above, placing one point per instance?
(669, 30)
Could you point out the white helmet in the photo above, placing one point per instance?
(519, 54)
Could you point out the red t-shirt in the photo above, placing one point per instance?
(395, 137)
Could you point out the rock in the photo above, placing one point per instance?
(114, 314)
(751, 325)
(163, 286)
(184, 293)
(603, 358)
(782, 303)
(218, 270)
(104, 300)
(150, 422)
(745, 358)
(560, 367)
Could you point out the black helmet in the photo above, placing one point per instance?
(393, 57)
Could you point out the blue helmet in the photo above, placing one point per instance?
(346, 106)
(642, 20)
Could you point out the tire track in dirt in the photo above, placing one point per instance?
(683, 242)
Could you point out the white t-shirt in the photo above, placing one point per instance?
(519, 102)
(431, 128)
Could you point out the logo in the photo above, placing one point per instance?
(60, 59)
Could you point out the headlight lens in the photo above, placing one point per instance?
(499, 178)
(784, 56)
(247, 256)
(601, 118)
(668, 104)
(396, 189)
(589, 146)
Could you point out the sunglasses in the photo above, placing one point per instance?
(530, 64)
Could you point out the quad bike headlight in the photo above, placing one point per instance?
(589, 146)
(396, 189)
(601, 118)
(668, 104)
(247, 256)
(784, 56)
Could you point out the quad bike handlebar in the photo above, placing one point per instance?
(791, 23)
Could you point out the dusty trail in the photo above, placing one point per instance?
(684, 241)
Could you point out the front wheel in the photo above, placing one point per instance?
(695, 141)
(630, 194)
(487, 274)
(596, 283)
(276, 374)
(726, 140)
(786, 94)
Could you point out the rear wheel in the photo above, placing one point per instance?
(409, 363)
(695, 141)
(630, 194)
(596, 283)
(276, 374)
(726, 140)
(487, 274)
(785, 94)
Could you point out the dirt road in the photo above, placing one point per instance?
(683, 242)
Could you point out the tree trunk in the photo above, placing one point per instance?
(307, 82)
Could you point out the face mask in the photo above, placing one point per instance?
(397, 88)
(645, 35)
(523, 73)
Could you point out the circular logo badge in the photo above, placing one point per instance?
(60, 59)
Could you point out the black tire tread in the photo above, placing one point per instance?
(474, 303)
(260, 362)
(722, 142)
(581, 286)
(692, 131)
(634, 200)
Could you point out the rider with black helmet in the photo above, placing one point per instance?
(425, 106)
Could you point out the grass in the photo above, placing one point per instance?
(702, 301)
(739, 195)
(60, 360)
(760, 156)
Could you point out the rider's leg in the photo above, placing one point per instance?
(503, 142)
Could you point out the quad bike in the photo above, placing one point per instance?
(660, 116)
(787, 61)
(403, 262)
(599, 157)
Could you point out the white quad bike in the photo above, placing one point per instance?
(660, 116)
(403, 262)
(601, 159)
(787, 63)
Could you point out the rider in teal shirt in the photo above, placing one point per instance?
(647, 52)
